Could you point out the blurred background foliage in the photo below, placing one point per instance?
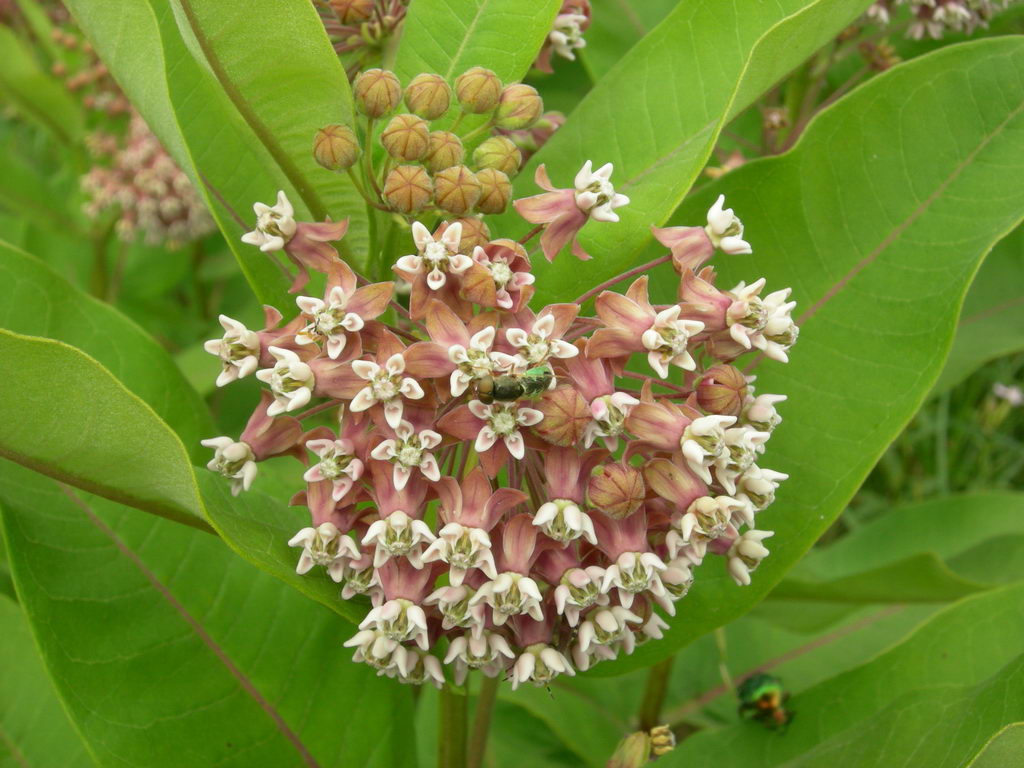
(907, 600)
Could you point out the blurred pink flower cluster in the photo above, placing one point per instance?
(505, 485)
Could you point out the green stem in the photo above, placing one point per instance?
(451, 741)
(654, 694)
(482, 722)
(477, 131)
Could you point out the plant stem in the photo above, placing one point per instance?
(624, 276)
(482, 722)
(451, 741)
(654, 694)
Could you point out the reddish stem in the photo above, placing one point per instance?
(624, 276)
(530, 235)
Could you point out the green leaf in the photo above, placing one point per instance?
(992, 323)
(169, 650)
(615, 27)
(963, 645)
(1004, 750)
(450, 36)
(657, 116)
(34, 730)
(37, 301)
(879, 251)
(96, 434)
(34, 93)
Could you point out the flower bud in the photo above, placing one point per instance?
(406, 137)
(566, 416)
(352, 11)
(478, 90)
(456, 190)
(663, 740)
(495, 191)
(376, 92)
(474, 233)
(336, 147)
(520, 106)
(428, 96)
(634, 751)
(722, 390)
(443, 151)
(408, 189)
(499, 153)
(616, 489)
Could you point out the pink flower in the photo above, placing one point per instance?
(343, 310)
(409, 450)
(386, 386)
(509, 267)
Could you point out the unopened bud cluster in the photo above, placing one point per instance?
(495, 480)
(428, 167)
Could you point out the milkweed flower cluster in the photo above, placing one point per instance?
(499, 483)
(933, 18)
(566, 35)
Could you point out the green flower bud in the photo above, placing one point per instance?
(376, 92)
(407, 189)
(406, 137)
(520, 107)
(617, 489)
(478, 90)
(352, 11)
(722, 390)
(456, 190)
(499, 153)
(444, 151)
(428, 96)
(336, 147)
(633, 751)
(495, 191)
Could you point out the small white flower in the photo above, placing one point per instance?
(703, 443)
(510, 594)
(238, 350)
(503, 276)
(667, 341)
(330, 321)
(456, 610)
(584, 660)
(337, 464)
(535, 347)
(745, 554)
(595, 194)
(502, 421)
(275, 225)
(609, 412)
(361, 578)
(878, 14)
(438, 258)
(327, 546)
(760, 412)
(757, 486)
(579, 589)
(633, 573)
(677, 578)
(780, 332)
(398, 535)
(476, 362)
(291, 381)
(743, 444)
(416, 667)
(747, 314)
(386, 386)
(462, 548)
(706, 519)
(375, 648)
(409, 450)
(400, 620)
(607, 626)
(540, 664)
(489, 652)
(1012, 395)
(655, 627)
(235, 461)
(566, 35)
(563, 520)
(725, 229)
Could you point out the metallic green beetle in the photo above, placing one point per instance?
(762, 698)
(511, 387)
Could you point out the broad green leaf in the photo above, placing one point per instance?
(37, 301)
(33, 728)
(992, 323)
(68, 417)
(963, 645)
(615, 27)
(879, 252)
(658, 113)
(34, 93)
(169, 650)
(1004, 750)
(450, 36)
